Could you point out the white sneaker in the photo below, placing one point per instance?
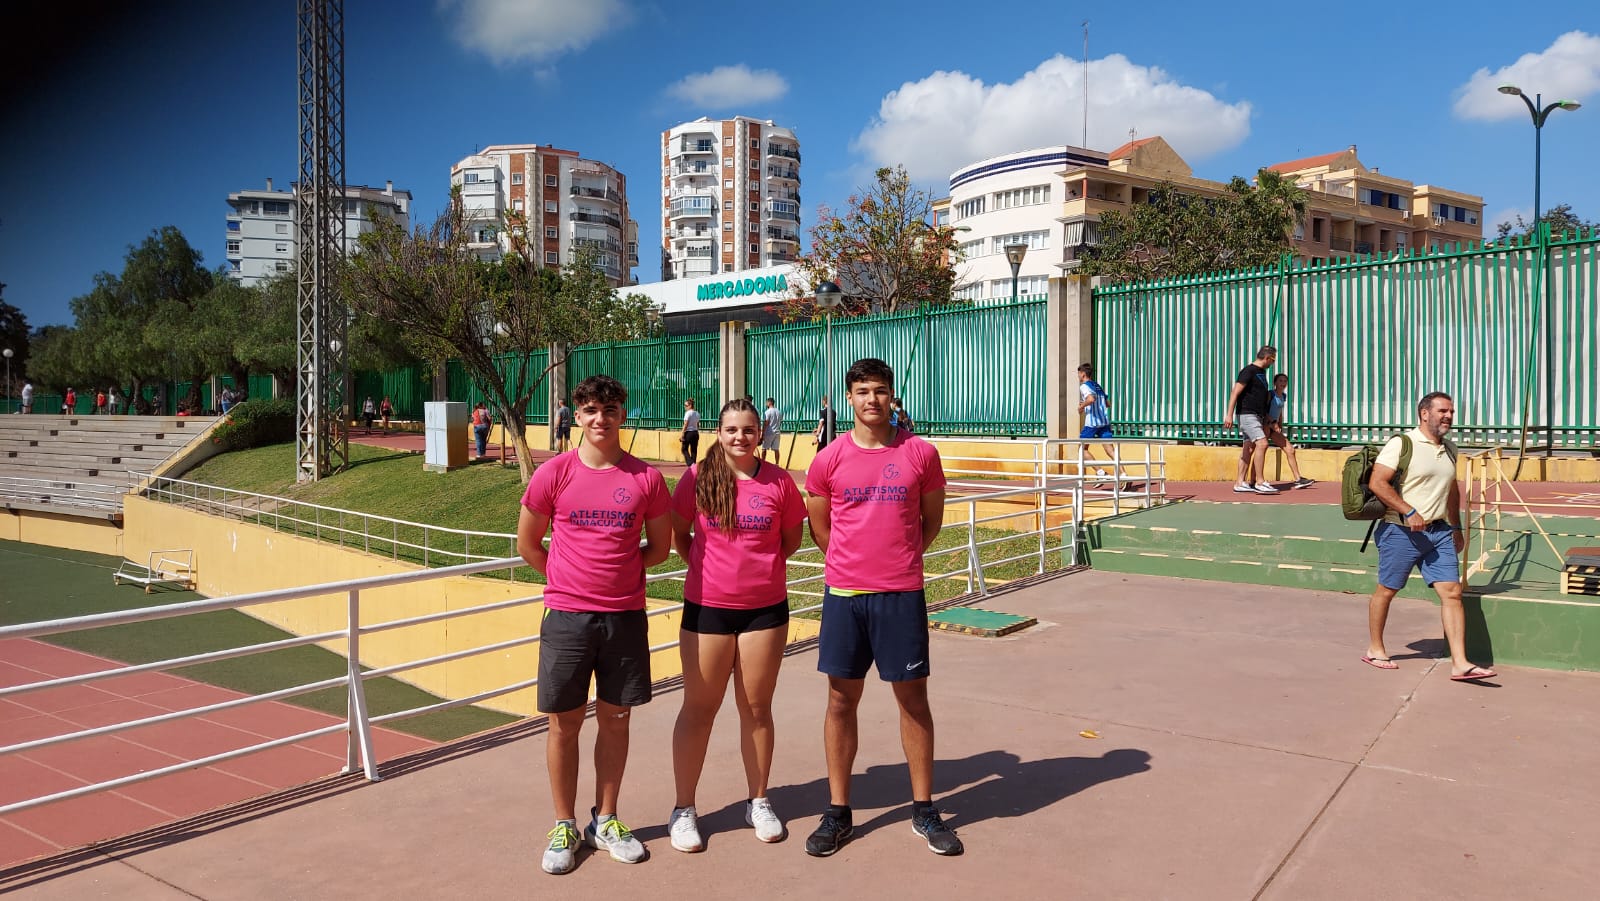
(1264, 488)
(684, 826)
(759, 813)
(1243, 489)
(611, 835)
(562, 853)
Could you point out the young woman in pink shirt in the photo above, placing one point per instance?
(735, 522)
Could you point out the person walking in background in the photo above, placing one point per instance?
(1095, 406)
(876, 502)
(369, 412)
(69, 404)
(99, 401)
(1422, 530)
(113, 403)
(386, 410)
(689, 440)
(771, 430)
(899, 418)
(827, 424)
(27, 396)
(563, 427)
(599, 501)
(225, 399)
(1276, 435)
(480, 428)
(735, 522)
(1250, 399)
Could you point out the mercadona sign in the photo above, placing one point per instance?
(748, 287)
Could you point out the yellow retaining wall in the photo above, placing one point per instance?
(96, 536)
(234, 558)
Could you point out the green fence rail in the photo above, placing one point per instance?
(960, 370)
(659, 373)
(1363, 340)
(459, 386)
(407, 388)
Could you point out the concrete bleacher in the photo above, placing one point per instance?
(81, 463)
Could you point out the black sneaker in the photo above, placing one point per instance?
(941, 838)
(830, 836)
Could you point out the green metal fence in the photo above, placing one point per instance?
(960, 370)
(459, 386)
(407, 388)
(1363, 340)
(659, 374)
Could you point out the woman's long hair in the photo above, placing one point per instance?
(716, 491)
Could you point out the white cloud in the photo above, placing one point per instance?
(1508, 216)
(515, 31)
(1568, 69)
(950, 119)
(727, 86)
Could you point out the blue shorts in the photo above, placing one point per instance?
(1096, 431)
(887, 627)
(1401, 550)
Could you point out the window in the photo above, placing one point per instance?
(549, 181)
(516, 178)
(469, 178)
(973, 249)
(755, 143)
(551, 234)
(755, 163)
(973, 207)
(727, 162)
(1029, 196)
(755, 248)
(755, 206)
(1316, 229)
(551, 257)
(275, 207)
(727, 226)
(282, 228)
(727, 247)
(233, 246)
(727, 141)
(970, 292)
(516, 205)
(1026, 285)
(551, 207)
(255, 208)
(1035, 240)
(233, 265)
(281, 246)
(727, 184)
(233, 226)
(281, 265)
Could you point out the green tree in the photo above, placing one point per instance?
(14, 337)
(1559, 218)
(1179, 233)
(54, 364)
(165, 284)
(884, 251)
(489, 315)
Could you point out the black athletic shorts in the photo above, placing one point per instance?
(611, 648)
(724, 621)
(889, 628)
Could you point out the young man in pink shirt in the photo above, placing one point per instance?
(599, 499)
(876, 501)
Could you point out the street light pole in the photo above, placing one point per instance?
(1014, 255)
(1539, 112)
(7, 353)
(828, 299)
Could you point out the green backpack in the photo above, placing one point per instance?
(1355, 495)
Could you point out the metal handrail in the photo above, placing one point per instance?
(1061, 496)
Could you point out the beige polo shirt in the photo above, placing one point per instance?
(1429, 478)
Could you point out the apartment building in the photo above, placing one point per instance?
(261, 226)
(1051, 200)
(730, 197)
(566, 202)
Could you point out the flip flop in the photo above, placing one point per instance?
(1379, 662)
(1474, 674)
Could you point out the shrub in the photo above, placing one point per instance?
(254, 423)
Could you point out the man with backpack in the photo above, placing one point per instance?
(1414, 477)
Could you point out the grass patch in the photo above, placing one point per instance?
(53, 583)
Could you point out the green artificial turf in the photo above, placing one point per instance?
(44, 583)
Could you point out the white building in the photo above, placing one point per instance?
(730, 196)
(261, 226)
(1011, 199)
(567, 202)
(696, 305)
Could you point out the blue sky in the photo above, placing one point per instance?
(121, 118)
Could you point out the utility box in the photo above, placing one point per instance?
(445, 431)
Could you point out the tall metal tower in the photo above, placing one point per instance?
(321, 412)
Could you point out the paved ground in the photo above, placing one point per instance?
(1244, 751)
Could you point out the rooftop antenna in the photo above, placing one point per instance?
(1085, 83)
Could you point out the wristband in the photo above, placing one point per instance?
(1410, 513)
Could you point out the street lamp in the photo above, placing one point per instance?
(829, 298)
(1540, 112)
(1014, 255)
(7, 353)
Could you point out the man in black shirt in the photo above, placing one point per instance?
(1251, 399)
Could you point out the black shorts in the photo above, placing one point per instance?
(564, 432)
(611, 648)
(705, 620)
(888, 627)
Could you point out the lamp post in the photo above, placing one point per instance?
(1540, 112)
(829, 298)
(7, 353)
(1014, 255)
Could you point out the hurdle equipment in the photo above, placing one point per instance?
(170, 567)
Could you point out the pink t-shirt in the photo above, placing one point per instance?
(875, 497)
(746, 570)
(596, 517)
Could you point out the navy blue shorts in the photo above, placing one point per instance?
(1095, 431)
(888, 627)
(1400, 550)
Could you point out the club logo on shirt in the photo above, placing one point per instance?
(621, 496)
(891, 472)
(758, 502)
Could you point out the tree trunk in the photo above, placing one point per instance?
(519, 441)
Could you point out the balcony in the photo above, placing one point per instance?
(698, 250)
(784, 194)
(694, 169)
(696, 146)
(595, 219)
(784, 215)
(605, 194)
(778, 234)
(1363, 247)
(691, 206)
(1344, 244)
(786, 152)
(599, 244)
(683, 234)
(780, 253)
(789, 174)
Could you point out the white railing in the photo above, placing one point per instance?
(975, 560)
(65, 493)
(1133, 477)
(429, 544)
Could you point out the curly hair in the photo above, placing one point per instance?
(716, 489)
